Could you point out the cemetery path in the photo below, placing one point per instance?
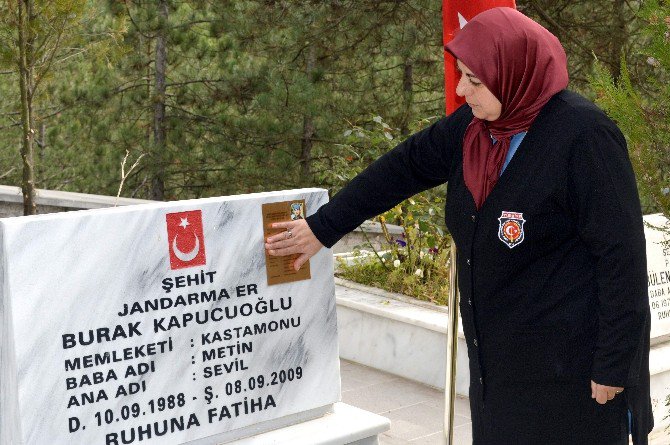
(416, 411)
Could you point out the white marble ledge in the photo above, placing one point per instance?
(375, 227)
(346, 424)
(393, 306)
(59, 198)
(74, 200)
(659, 358)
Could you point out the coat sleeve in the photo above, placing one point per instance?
(608, 218)
(422, 161)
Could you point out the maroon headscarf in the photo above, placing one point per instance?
(523, 65)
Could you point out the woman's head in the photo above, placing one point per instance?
(484, 104)
(511, 68)
(518, 61)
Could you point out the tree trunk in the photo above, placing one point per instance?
(160, 131)
(308, 128)
(145, 49)
(408, 96)
(25, 82)
(619, 36)
(42, 145)
(306, 149)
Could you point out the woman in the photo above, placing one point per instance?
(543, 207)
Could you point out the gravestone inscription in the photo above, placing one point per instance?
(156, 324)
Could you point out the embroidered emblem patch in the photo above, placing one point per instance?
(510, 230)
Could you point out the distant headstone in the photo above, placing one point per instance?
(155, 324)
(657, 233)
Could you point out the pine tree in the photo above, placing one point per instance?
(37, 34)
(42, 45)
(641, 107)
(254, 95)
(607, 28)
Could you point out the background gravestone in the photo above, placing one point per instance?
(156, 323)
(658, 274)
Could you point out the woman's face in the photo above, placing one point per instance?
(484, 104)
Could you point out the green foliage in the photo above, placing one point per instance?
(246, 81)
(65, 38)
(641, 108)
(361, 145)
(415, 263)
(607, 28)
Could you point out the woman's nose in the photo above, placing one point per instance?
(461, 87)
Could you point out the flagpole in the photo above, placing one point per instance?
(452, 345)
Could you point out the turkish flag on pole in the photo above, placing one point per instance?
(455, 14)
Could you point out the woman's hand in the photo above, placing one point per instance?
(603, 393)
(298, 238)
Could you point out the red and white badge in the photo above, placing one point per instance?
(510, 230)
(185, 238)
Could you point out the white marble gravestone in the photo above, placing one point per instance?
(658, 273)
(104, 342)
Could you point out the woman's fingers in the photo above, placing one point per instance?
(281, 244)
(285, 224)
(302, 259)
(296, 239)
(601, 396)
(283, 235)
(308, 251)
(604, 393)
(290, 250)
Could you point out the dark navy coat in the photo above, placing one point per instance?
(552, 267)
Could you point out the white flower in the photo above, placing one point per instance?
(422, 254)
(377, 119)
(419, 273)
(665, 190)
(653, 62)
(388, 136)
(396, 263)
(347, 133)
(383, 260)
(431, 211)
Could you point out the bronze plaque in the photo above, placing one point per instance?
(280, 268)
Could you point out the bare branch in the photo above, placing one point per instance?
(7, 173)
(124, 175)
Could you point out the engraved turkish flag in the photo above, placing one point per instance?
(455, 14)
(186, 240)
